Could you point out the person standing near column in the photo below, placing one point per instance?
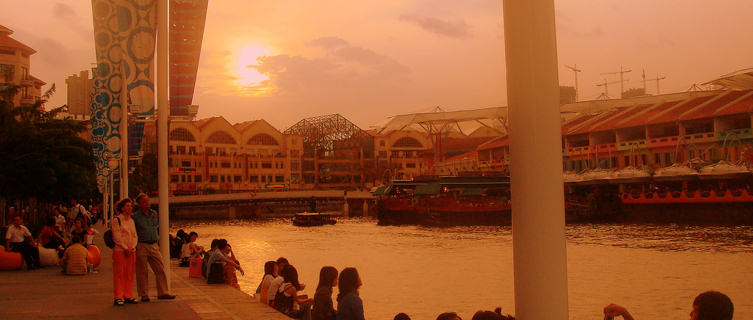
(147, 250)
(124, 253)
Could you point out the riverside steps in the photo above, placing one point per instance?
(47, 293)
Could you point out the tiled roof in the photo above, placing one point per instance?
(6, 41)
(707, 110)
(669, 117)
(495, 143)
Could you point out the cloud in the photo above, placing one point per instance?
(63, 11)
(453, 29)
(327, 42)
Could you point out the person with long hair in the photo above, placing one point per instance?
(124, 253)
(81, 230)
(323, 307)
(288, 294)
(349, 304)
(270, 272)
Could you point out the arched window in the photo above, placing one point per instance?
(262, 139)
(407, 142)
(181, 134)
(221, 137)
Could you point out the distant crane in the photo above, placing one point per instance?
(575, 71)
(657, 79)
(622, 72)
(606, 84)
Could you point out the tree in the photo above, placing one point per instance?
(633, 92)
(144, 176)
(42, 157)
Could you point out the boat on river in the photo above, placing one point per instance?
(313, 219)
(445, 201)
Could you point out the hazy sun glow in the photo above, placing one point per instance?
(248, 78)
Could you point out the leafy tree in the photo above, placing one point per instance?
(144, 176)
(42, 157)
(633, 92)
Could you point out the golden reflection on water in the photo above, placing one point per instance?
(654, 270)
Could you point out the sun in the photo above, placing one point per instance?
(247, 56)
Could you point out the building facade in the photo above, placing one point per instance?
(15, 66)
(80, 88)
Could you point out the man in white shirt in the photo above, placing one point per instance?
(59, 220)
(76, 210)
(16, 241)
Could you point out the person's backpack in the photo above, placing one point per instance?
(109, 241)
(216, 274)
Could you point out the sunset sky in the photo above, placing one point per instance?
(284, 60)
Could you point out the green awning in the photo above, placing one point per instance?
(472, 192)
(380, 190)
(429, 188)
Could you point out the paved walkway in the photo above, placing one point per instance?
(48, 294)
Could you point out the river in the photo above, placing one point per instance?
(653, 270)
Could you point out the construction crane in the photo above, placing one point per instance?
(622, 72)
(657, 79)
(575, 71)
(606, 84)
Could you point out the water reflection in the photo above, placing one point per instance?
(654, 269)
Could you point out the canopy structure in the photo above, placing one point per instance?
(738, 80)
(441, 121)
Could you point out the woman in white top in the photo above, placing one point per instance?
(124, 253)
(270, 272)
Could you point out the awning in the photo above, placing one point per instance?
(429, 188)
(472, 192)
(380, 190)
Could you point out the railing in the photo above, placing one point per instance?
(575, 151)
(700, 137)
(632, 144)
(663, 142)
(745, 133)
(699, 196)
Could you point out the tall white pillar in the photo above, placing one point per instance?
(162, 123)
(538, 220)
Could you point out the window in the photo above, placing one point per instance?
(197, 178)
(383, 154)
(657, 158)
(643, 159)
(185, 163)
(213, 179)
(188, 178)
(266, 165)
(192, 150)
(294, 165)
(691, 154)
(407, 142)
(263, 178)
(173, 178)
(382, 143)
(294, 153)
(209, 151)
(667, 158)
(6, 72)
(24, 73)
(181, 134)
(182, 178)
(262, 139)
(279, 178)
(282, 165)
(225, 164)
(221, 137)
(237, 179)
(410, 165)
(253, 179)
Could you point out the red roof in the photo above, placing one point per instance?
(576, 121)
(604, 116)
(742, 106)
(496, 143)
(641, 119)
(469, 155)
(708, 110)
(612, 122)
(6, 41)
(672, 116)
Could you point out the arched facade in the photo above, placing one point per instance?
(211, 154)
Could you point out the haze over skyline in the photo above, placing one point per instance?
(284, 60)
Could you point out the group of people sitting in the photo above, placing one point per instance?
(280, 288)
(69, 240)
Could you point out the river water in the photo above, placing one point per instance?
(653, 270)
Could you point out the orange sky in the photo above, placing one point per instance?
(371, 59)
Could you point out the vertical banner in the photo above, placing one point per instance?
(187, 20)
(124, 35)
(137, 21)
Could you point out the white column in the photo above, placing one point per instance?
(124, 134)
(162, 123)
(538, 220)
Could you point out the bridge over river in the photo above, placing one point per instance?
(270, 204)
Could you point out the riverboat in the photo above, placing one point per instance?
(445, 201)
(313, 219)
